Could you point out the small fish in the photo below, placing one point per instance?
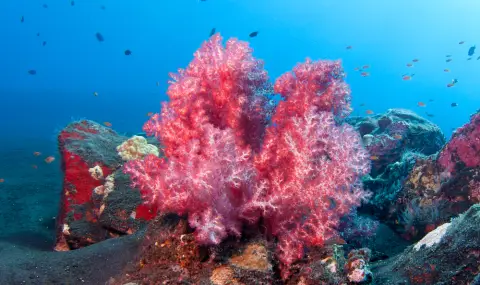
(158, 83)
(448, 55)
(22, 19)
(44, 43)
(471, 50)
(37, 153)
(362, 104)
(365, 66)
(448, 60)
(429, 115)
(409, 64)
(469, 58)
(454, 81)
(450, 85)
(335, 240)
(103, 7)
(356, 68)
(397, 136)
(2, 180)
(478, 58)
(99, 37)
(34, 166)
(212, 32)
(461, 43)
(72, 3)
(406, 77)
(349, 47)
(454, 104)
(128, 52)
(430, 100)
(49, 159)
(421, 104)
(32, 72)
(415, 60)
(253, 34)
(45, 6)
(369, 112)
(365, 74)
(149, 114)
(107, 124)
(38, 34)
(374, 157)
(95, 94)
(446, 70)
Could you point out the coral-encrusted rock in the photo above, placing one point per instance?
(388, 136)
(430, 196)
(463, 150)
(448, 255)
(96, 201)
(170, 255)
(357, 266)
(436, 190)
(395, 140)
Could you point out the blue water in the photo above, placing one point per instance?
(162, 36)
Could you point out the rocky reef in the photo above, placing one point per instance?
(419, 226)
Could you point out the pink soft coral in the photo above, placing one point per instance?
(210, 185)
(224, 166)
(311, 164)
(464, 147)
(318, 84)
(223, 86)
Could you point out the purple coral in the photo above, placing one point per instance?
(464, 147)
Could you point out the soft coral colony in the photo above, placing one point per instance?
(230, 159)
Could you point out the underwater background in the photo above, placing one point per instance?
(55, 69)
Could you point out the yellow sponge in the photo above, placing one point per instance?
(136, 147)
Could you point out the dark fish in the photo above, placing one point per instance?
(45, 6)
(128, 52)
(254, 34)
(102, 7)
(212, 32)
(478, 58)
(22, 19)
(430, 115)
(38, 34)
(72, 3)
(448, 55)
(454, 81)
(32, 72)
(471, 51)
(431, 100)
(44, 43)
(99, 37)
(454, 104)
(469, 58)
